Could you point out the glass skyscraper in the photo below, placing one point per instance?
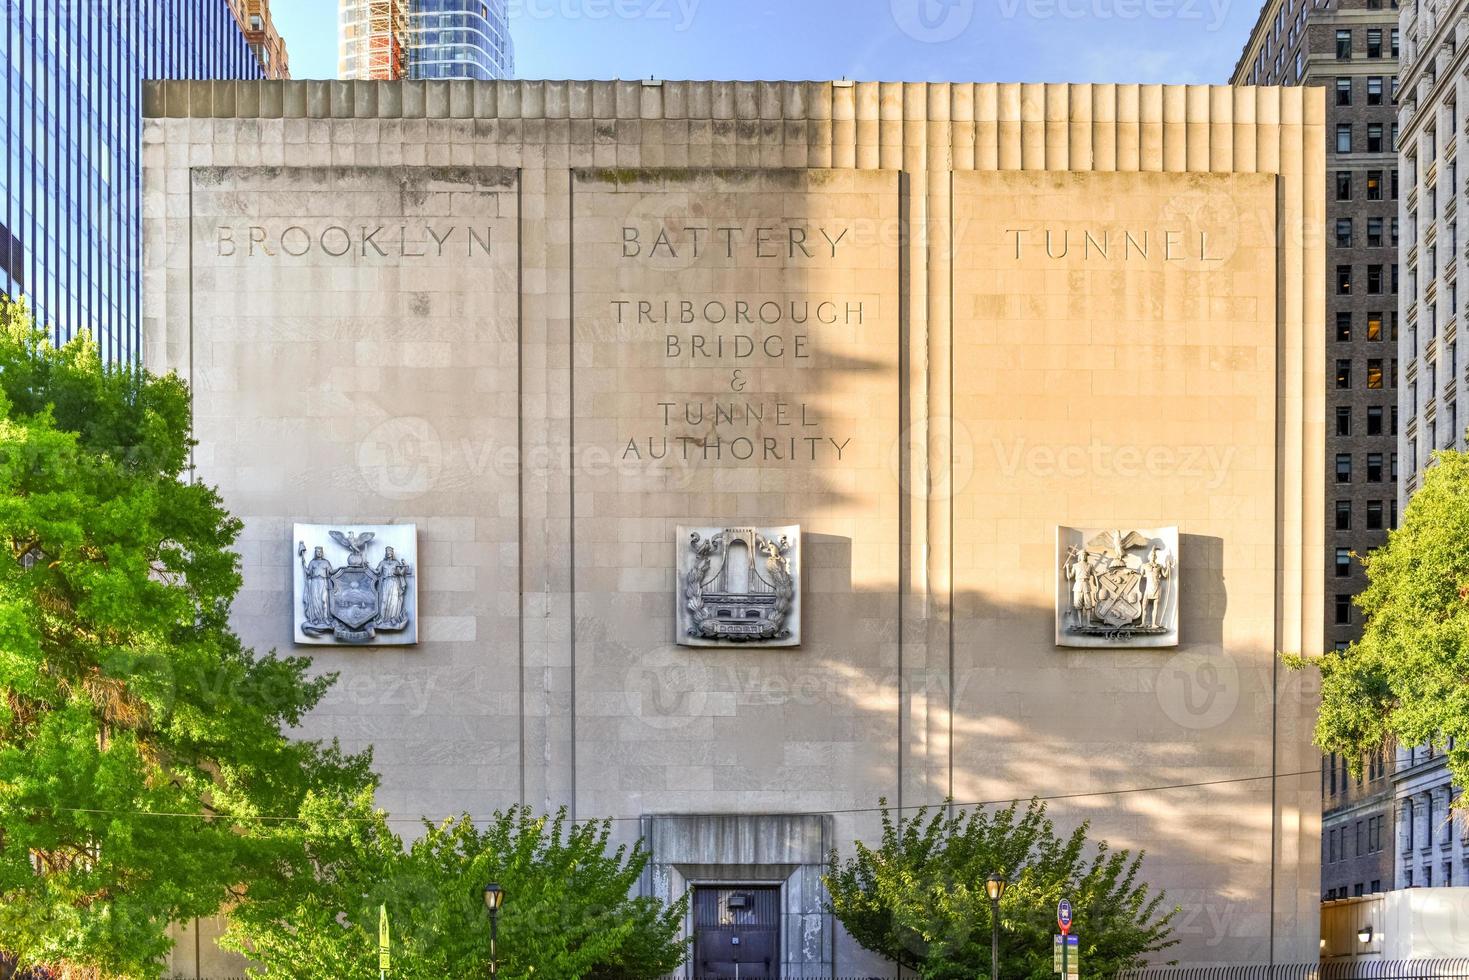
(71, 146)
(460, 39)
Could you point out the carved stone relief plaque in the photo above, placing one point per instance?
(1117, 587)
(356, 584)
(738, 586)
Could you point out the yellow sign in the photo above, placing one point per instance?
(384, 952)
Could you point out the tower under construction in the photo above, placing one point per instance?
(374, 39)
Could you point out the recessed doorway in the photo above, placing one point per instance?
(737, 931)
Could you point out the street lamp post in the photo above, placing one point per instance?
(494, 898)
(994, 886)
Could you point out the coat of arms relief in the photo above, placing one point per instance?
(739, 586)
(358, 590)
(1117, 587)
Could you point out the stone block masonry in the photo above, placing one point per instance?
(550, 322)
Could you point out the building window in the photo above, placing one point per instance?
(1392, 513)
(1344, 43)
(1344, 91)
(1393, 413)
(1343, 609)
(1344, 280)
(1344, 232)
(1344, 137)
(1374, 42)
(1343, 515)
(1374, 232)
(1394, 226)
(1374, 278)
(1394, 183)
(1343, 373)
(1374, 137)
(1394, 46)
(1374, 325)
(1374, 90)
(1343, 185)
(1344, 421)
(1374, 515)
(1343, 467)
(1376, 885)
(1374, 185)
(1374, 372)
(1374, 467)
(1374, 420)
(1344, 326)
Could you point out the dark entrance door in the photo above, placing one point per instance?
(737, 932)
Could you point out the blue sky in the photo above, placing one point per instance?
(886, 40)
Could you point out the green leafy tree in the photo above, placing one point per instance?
(140, 743)
(919, 897)
(567, 912)
(1405, 681)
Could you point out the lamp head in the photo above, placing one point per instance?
(494, 897)
(995, 885)
(1364, 934)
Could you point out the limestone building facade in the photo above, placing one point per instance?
(926, 324)
(1433, 847)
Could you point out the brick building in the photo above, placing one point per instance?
(1350, 47)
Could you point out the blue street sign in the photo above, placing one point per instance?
(1063, 914)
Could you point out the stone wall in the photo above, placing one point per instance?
(450, 304)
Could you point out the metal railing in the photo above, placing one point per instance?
(1443, 969)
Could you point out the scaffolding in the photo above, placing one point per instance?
(374, 39)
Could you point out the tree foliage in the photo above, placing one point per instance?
(1404, 681)
(567, 912)
(918, 897)
(140, 743)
